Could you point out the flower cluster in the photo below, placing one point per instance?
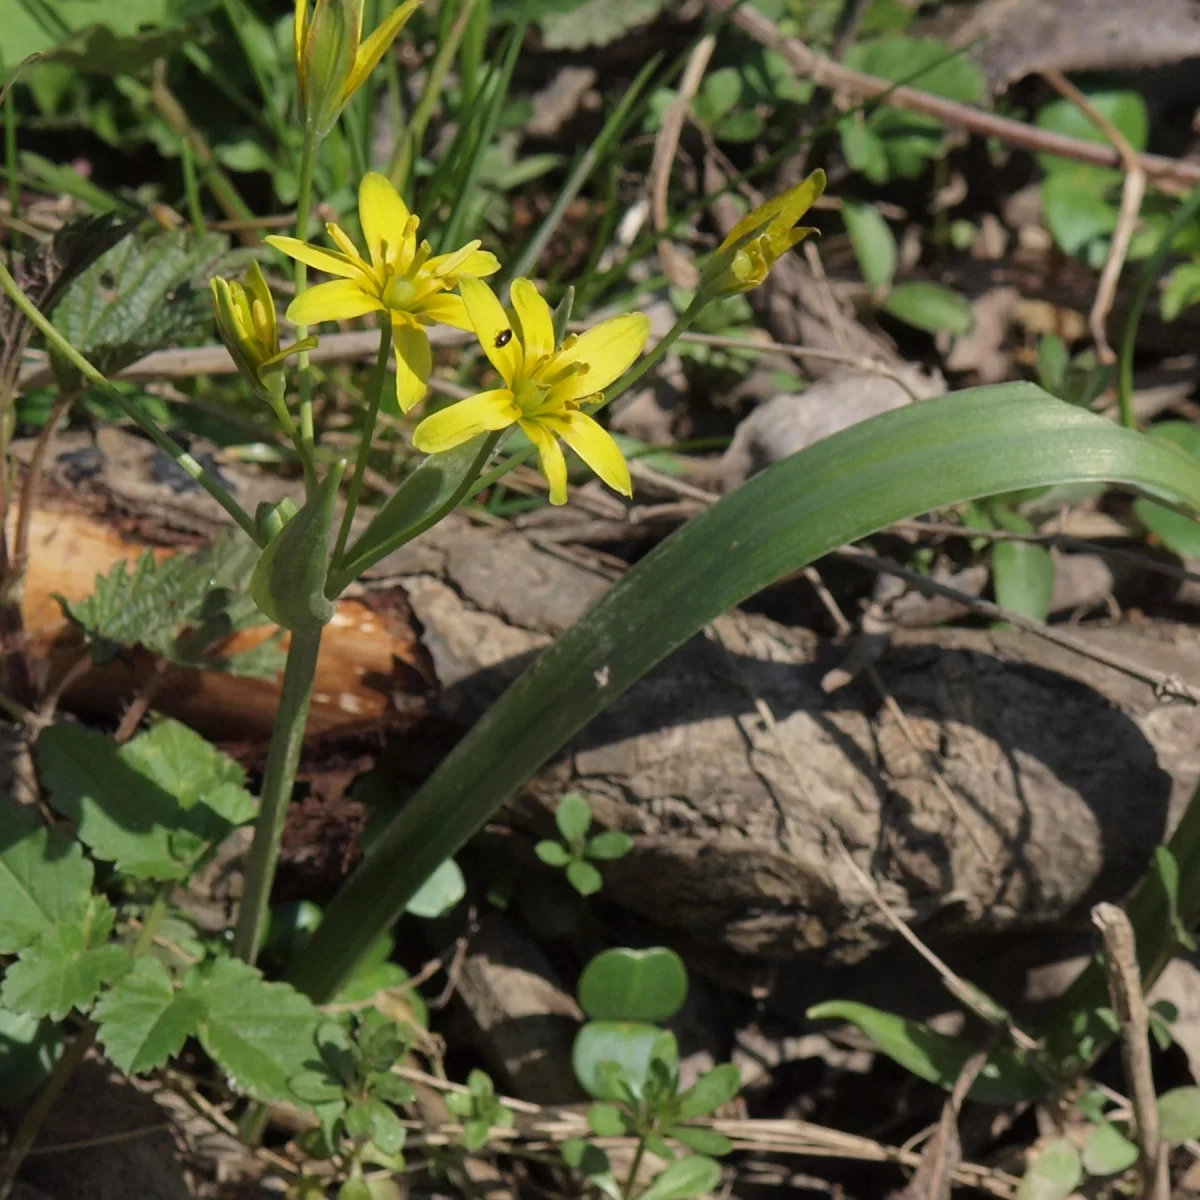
(548, 383)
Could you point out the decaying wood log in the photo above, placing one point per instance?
(1066, 774)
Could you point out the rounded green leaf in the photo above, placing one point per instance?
(584, 878)
(607, 1120)
(573, 816)
(609, 845)
(931, 307)
(1179, 1114)
(695, 1175)
(553, 854)
(1125, 109)
(873, 241)
(440, 892)
(703, 1141)
(1054, 1174)
(913, 460)
(630, 1045)
(1108, 1151)
(633, 985)
(1023, 578)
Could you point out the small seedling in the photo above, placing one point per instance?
(573, 818)
(479, 1109)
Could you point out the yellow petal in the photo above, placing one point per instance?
(550, 459)
(444, 265)
(342, 240)
(383, 215)
(328, 261)
(336, 301)
(375, 47)
(492, 327)
(790, 206)
(479, 264)
(258, 288)
(537, 322)
(486, 412)
(447, 309)
(414, 362)
(608, 349)
(596, 447)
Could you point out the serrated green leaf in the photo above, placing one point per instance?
(29, 1048)
(1108, 1151)
(44, 879)
(573, 816)
(930, 306)
(142, 295)
(180, 608)
(67, 966)
(1053, 1174)
(261, 1034)
(595, 22)
(695, 1175)
(873, 241)
(191, 769)
(1007, 1077)
(143, 1020)
(122, 813)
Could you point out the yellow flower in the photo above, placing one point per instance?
(545, 386)
(248, 326)
(744, 259)
(401, 278)
(332, 60)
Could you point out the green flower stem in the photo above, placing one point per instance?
(631, 1179)
(70, 1062)
(308, 158)
(133, 411)
(374, 396)
(277, 398)
(283, 759)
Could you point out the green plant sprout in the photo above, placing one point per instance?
(576, 852)
(479, 1110)
(630, 1065)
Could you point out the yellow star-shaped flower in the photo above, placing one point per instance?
(400, 278)
(546, 385)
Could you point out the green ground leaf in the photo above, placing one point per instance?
(1076, 210)
(703, 1141)
(122, 811)
(573, 816)
(66, 967)
(916, 459)
(633, 985)
(440, 892)
(1179, 1114)
(926, 63)
(873, 241)
(629, 1044)
(1181, 289)
(1022, 572)
(1108, 1151)
(695, 1175)
(262, 1034)
(1007, 1077)
(575, 26)
(610, 845)
(143, 1020)
(45, 881)
(584, 878)
(1054, 1174)
(1125, 109)
(930, 306)
(710, 1091)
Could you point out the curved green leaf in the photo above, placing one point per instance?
(633, 985)
(925, 456)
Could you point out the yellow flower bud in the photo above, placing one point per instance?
(248, 326)
(745, 258)
(332, 60)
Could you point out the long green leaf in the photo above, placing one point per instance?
(922, 457)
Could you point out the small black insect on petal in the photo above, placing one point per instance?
(503, 338)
